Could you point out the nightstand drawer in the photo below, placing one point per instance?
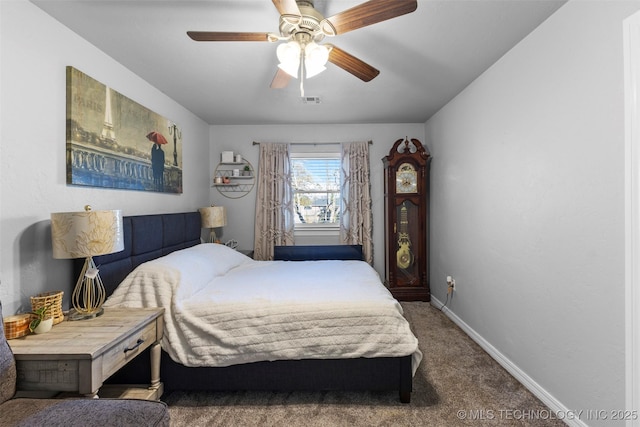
(128, 348)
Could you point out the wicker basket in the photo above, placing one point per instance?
(43, 300)
(16, 326)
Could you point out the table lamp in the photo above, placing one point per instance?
(85, 235)
(213, 217)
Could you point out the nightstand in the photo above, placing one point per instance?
(247, 252)
(78, 356)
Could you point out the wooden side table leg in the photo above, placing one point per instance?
(155, 353)
(155, 366)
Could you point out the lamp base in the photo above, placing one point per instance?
(89, 294)
(76, 315)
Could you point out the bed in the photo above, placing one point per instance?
(150, 237)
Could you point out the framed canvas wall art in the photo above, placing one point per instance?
(115, 142)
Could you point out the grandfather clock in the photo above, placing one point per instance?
(406, 219)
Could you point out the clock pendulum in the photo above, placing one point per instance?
(404, 255)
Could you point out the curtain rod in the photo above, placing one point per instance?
(312, 143)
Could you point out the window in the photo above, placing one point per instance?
(316, 190)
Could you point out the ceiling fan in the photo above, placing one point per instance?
(301, 29)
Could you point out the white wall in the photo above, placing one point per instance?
(528, 206)
(240, 139)
(632, 214)
(35, 49)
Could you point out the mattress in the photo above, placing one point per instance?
(223, 308)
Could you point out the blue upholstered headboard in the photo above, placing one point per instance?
(147, 237)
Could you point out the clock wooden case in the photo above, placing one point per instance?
(406, 214)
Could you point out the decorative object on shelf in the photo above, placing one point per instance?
(43, 320)
(16, 326)
(406, 213)
(233, 244)
(87, 234)
(53, 300)
(226, 157)
(234, 179)
(213, 217)
(118, 143)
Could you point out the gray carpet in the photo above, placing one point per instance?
(457, 384)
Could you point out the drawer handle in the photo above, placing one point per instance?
(136, 345)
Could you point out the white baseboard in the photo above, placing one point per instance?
(567, 415)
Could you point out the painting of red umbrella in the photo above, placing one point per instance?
(156, 137)
(119, 143)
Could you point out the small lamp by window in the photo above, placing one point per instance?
(85, 235)
(213, 217)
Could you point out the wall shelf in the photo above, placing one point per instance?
(239, 185)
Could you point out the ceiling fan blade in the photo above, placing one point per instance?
(351, 64)
(287, 7)
(215, 36)
(367, 13)
(280, 80)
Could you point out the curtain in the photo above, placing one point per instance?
(356, 218)
(274, 201)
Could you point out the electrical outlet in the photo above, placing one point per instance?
(451, 284)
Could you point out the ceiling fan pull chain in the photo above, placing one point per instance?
(301, 73)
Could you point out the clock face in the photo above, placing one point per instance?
(406, 179)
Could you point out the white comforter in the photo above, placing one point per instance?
(223, 308)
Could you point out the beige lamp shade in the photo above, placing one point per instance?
(86, 234)
(213, 216)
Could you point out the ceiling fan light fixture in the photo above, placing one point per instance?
(291, 69)
(289, 57)
(315, 58)
(313, 69)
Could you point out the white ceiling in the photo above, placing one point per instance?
(425, 58)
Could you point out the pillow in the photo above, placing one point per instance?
(223, 257)
(196, 266)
